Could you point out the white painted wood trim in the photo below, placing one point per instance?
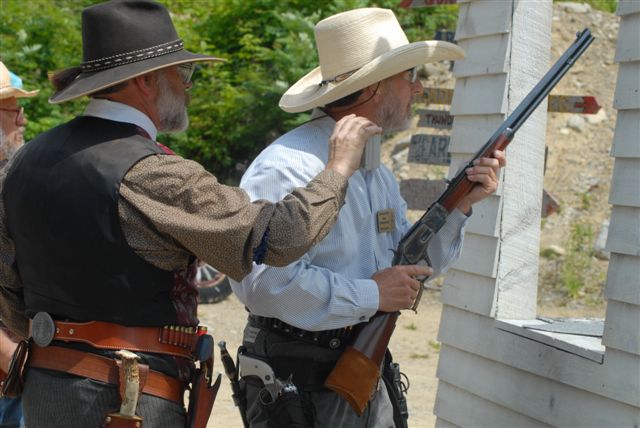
(477, 334)
(624, 231)
(470, 292)
(625, 183)
(542, 399)
(470, 132)
(628, 46)
(482, 18)
(622, 329)
(587, 347)
(480, 95)
(625, 141)
(627, 95)
(441, 423)
(485, 55)
(476, 411)
(479, 255)
(627, 7)
(623, 279)
(484, 220)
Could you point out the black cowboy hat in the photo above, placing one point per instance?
(122, 39)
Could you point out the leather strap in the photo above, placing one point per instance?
(102, 369)
(106, 335)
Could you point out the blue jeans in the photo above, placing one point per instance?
(11, 413)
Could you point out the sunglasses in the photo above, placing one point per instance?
(185, 71)
(19, 114)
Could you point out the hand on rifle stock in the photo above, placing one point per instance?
(397, 286)
(485, 172)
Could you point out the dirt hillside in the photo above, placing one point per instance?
(577, 174)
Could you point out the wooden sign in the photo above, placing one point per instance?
(446, 35)
(440, 119)
(556, 103)
(550, 204)
(573, 104)
(420, 194)
(429, 149)
(437, 95)
(424, 3)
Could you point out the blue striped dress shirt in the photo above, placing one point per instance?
(330, 286)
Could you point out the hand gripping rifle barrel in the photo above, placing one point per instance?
(356, 373)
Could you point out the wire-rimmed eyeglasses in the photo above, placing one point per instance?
(19, 114)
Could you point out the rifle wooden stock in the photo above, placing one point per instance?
(358, 370)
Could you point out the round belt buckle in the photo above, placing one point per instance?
(43, 329)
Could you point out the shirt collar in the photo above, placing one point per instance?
(119, 112)
(322, 120)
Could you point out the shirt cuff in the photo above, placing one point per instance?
(368, 299)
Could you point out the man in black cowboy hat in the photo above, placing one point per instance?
(100, 228)
(302, 314)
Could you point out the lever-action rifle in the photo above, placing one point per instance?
(357, 371)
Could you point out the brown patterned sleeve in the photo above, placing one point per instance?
(12, 312)
(191, 212)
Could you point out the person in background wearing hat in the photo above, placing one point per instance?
(12, 122)
(301, 314)
(100, 229)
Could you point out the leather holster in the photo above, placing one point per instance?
(12, 384)
(202, 396)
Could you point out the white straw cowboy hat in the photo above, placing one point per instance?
(122, 39)
(11, 85)
(356, 49)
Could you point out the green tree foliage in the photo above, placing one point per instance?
(268, 45)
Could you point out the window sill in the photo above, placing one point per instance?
(582, 337)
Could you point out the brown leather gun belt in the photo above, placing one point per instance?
(102, 369)
(175, 340)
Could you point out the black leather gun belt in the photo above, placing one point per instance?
(334, 339)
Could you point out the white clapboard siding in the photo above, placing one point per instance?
(542, 399)
(480, 95)
(622, 328)
(441, 423)
(482, 18)
(472, 132)
(478, 412)
(625, 184)
(485, 217)
(628, 7)
(480, 255)
(469, 292)
(477, 334)
(629, 31)
(623, 279)
(625, 141)
(627, 95)
(624, 231)
(484, 55)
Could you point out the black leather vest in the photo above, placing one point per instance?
(61, 198)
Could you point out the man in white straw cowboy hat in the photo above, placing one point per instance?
(12, 123)
(12, 118)
(302, 314)
(100, 228)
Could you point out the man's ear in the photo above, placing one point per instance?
(147, 83)
(375, 91)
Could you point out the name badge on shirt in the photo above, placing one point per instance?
(386, 220)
